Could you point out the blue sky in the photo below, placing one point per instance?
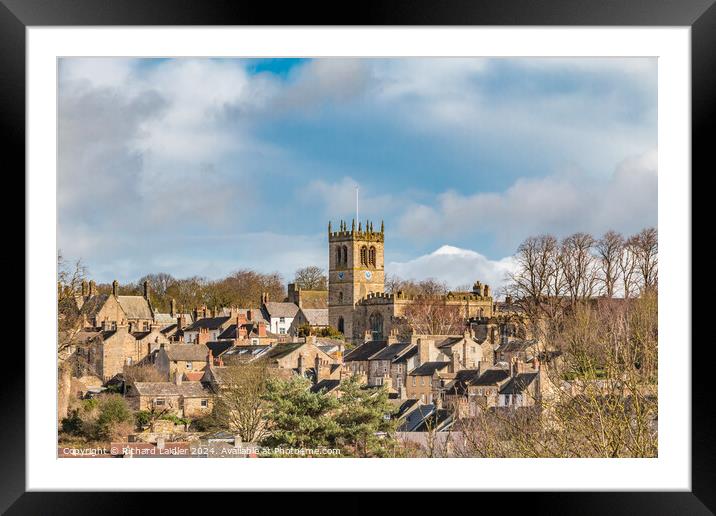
(205, 166)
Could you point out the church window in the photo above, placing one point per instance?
(364, 255)
(371, 256)
(376, 326)
(340, 297)
(345, 255)
(341, 325)
(339, 255)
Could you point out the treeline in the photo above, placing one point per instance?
(580, 266)
(242, 288)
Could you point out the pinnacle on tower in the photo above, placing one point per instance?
(329, 227)
(360, 228)
(353, 226)
(382, 227)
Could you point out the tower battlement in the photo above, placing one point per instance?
(361, 232)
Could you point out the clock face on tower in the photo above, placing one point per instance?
(341, 274)
(368, 274)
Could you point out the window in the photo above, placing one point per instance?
(345, 255)
(159, 402)
(145, 326)
(129, 360)
(376, 325)
(282, 331)
(339, 255)
(364, 255)
(282, 319)
(341, 325)
(204, 403)
(371, 256)
(340, 297)
(189, 366)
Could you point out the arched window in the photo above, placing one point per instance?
(340, 297)
(376, 326)
(371, 256)
(341, 325)
(364, 255)
(338, 255)
(345, 254)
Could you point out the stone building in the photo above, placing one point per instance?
(174, 360)
(184, 399)
(109, 311)
(358, 305)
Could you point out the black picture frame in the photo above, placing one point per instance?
(700, 15)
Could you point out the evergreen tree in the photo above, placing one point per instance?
(297, 417)
(367, 430)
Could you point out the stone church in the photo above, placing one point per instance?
(358, 305)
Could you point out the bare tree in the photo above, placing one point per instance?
(239, 405)
(578, 266)
(628, 263)
(431, 315)
(609, 250)
(646, 244)
(70, 278)
(311, 278)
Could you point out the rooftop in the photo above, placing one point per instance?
(428, 368)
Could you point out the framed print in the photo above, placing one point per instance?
(337, 252)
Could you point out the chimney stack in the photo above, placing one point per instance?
(300, 365)
(92, 288)
(146, 290)
(173, 308)
(262, 329)
(424, 350)
(209, 358)
(317, 367)
(84, 288)
(115, 288)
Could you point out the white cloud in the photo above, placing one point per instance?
(456, 267)
(559, 204)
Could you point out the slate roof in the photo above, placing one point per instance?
(281, 350)
(210, 323)
(406, 355)
(316, 316)
(437, 420)
(365, 351)
(135, 307)
(139, 335)
(405, 407)
(450, 341)
(462, 380)
(186, 352)
(186, 389)
(245, 353)
(217, 347)
(277, 309)
(93, 305)
(428, 368)
(518, 384)
(515, 346)
(416, 417)
(491, 377)
(326, 385)
(391, 352)
(164, 318)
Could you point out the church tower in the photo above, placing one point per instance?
(356, 268)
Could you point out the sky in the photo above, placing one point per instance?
(200, 167)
